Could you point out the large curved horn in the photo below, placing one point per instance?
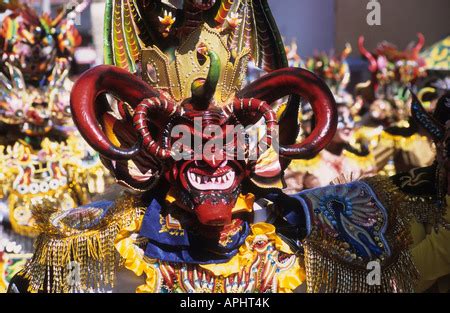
(86, 105)
(295, 81)
(420, 43)
(373, 66)
(428, 122)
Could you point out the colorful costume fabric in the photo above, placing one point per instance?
(191, 223)
(42, 156)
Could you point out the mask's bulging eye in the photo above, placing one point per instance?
(19, 113)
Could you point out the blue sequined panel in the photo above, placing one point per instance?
(352, 214)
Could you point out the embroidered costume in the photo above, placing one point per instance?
(216, 220)
(42, 156)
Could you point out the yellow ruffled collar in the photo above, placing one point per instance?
(286, 280)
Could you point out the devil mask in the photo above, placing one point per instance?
(138, 144)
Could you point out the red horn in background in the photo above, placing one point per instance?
(420, 44)
(373, 66)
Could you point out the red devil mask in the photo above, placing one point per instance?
(138, 144)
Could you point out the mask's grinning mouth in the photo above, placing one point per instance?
(209, 182)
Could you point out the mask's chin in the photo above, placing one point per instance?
(213, 208)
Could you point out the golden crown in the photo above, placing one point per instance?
(177, 76)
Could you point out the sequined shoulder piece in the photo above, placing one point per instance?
(77, 246)
(414, 194)
(353, 229)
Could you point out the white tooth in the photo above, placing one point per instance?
(197, 178)
(214, 180)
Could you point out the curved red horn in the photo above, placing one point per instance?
(140, 120)
(86, 105)
(296, 81)
(420, 43)
(242, 106)
(373, 65)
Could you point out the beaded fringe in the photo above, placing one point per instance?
(325, 275)
(83, 262)
(424, 209)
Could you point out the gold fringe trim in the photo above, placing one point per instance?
(326, 275)
(71, 260)
(423, 209)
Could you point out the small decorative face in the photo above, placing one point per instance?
(345, 127)
(409, 70)
(386, 71)
(37, 117)
(31, 111)
(381, 110)
(36, 61)
(28, 109)
(36, 110)
(34, 43)
(392, 68)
